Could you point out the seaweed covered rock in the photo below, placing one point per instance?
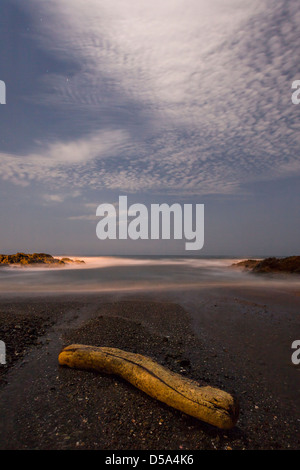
(69, 260)
(34, 258)
(247, 265)
(290, 264)
(24, 259)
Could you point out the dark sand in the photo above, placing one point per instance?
(237, 341)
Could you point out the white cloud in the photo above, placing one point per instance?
(191, 96)
(98, 145)
(49, 198)
(93, 218)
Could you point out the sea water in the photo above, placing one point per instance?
(134, 274)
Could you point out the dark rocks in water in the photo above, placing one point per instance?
(34, 258)
(69, 260)
(25, 258)
(248, 264)
(291, 264)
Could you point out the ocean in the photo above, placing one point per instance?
(136, 274)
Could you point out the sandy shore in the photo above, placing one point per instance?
(237, 341)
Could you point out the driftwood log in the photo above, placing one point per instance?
(206, 403)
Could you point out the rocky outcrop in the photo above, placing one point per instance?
(69, 260)
(279, 265)
(247, 265)
(34, 258)
(290, 264)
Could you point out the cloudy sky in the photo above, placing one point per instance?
(162, 101)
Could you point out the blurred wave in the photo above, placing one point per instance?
(108, 274)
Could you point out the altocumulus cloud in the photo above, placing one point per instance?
(191, 96)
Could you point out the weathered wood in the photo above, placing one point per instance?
(206, 403)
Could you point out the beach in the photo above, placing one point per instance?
(149, 242)
(234, 338)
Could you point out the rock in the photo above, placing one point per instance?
(69, 260)
(34, 258)
(248, 264)
(290, 264)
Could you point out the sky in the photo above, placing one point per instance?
(168, 101)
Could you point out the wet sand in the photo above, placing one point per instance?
(237, 340)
